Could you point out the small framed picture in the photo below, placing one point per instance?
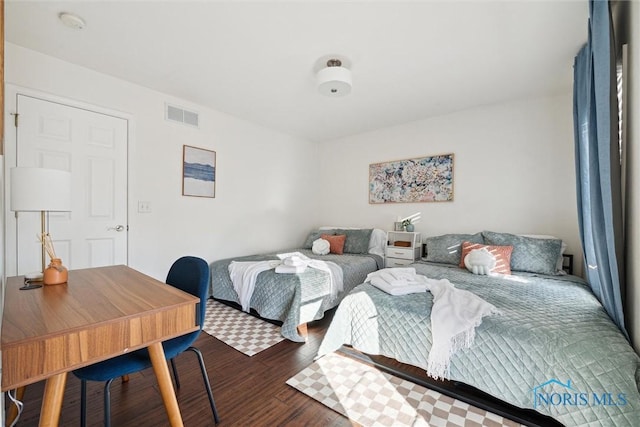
(198, 172)
(397, 226)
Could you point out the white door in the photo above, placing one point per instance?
(93, 147)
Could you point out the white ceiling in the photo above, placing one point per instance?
(257, 60)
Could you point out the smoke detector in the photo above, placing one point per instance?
(334, 80)
(71, 20)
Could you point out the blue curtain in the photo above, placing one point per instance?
(598, 163)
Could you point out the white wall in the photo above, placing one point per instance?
(265, 181)
(514, 171)
(633, 181)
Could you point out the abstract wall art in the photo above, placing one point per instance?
(424, 179)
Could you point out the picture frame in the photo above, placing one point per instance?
(417, 180)
(397, 226)
(198, 172)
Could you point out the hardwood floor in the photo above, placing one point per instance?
(249, 391)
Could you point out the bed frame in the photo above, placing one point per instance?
(454, 389)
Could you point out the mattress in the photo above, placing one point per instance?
(294, 299)
(552, 348)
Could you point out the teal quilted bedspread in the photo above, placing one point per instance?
(294, 299)
(553, 348)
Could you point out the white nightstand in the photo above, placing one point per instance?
(399, 256)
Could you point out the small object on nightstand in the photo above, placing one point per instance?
(402, 244)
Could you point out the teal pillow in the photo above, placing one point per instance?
(357, 241)
(447, 248)
(315, 235)
(529, 254)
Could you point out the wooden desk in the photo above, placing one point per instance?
(101, 313)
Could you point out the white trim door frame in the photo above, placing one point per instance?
(79, 137)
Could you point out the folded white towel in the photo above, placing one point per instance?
(298, 255)
(336, 280)
(399, 290)
(291, 269)
(398, 281)
(294, 261)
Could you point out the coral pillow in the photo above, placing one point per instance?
(501, 253)
(336, 243)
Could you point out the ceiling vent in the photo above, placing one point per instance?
(180, 115)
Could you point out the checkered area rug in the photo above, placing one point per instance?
(240, 330)
(370, 397)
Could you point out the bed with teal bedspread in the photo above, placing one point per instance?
(553, 348)
(294, 299)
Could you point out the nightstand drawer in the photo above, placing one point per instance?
(396, 262)
(402, 253)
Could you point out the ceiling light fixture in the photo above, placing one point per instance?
(334, 80)
(71, 20)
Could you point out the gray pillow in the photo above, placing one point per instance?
(529, 254)
(446, 249)
(357, 241)
(315, 235)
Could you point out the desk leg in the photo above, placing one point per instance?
(52, 400)
(166, 386)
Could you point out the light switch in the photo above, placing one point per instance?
(144, 207)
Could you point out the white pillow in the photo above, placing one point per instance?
(320, 247)
(480, 261)
(377, 242)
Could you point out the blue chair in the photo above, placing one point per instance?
(189, 274)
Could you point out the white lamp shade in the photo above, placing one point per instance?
(38, 189)
(334, 81)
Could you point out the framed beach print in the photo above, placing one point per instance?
(424, 179)
(198, 172)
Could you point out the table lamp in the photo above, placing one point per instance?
(40, 190)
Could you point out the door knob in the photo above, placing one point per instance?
(117, 228)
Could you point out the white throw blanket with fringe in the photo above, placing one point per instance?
(454, 316)
(245, 273)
